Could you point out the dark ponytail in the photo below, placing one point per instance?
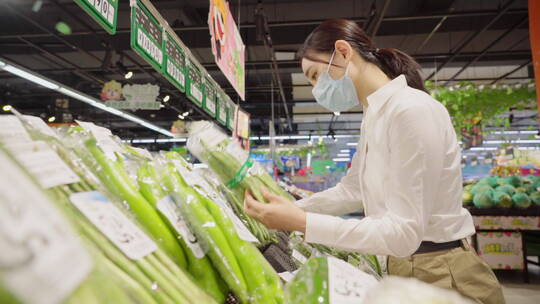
(391, 61)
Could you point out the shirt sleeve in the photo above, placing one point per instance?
(415, 162)
(344, 198)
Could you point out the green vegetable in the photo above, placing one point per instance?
(484, 199)
(115, 178)
(507, 188)
(521, 190)
(310, 285)
(521, 200)
(219, 250)
(535, 198)
(478, 188)
(468, 187)
(514, 181)
(200, 268)
(502, 199)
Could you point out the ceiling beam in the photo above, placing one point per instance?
(374, 26)
(462, 46)
(487, 48)
(526, 63)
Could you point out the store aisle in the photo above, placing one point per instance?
(517, 292)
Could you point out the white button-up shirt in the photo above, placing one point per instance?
(406, 176)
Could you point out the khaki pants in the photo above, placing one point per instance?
(459, 268)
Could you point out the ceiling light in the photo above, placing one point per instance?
(344, 159)
(128, 75)
(166, 98)
(345, 151)
(51, 119)
(337, 113)
(29, 76)
(352, 144)
(343, 154)
(7, 108)
(181, 117)
(185, 114)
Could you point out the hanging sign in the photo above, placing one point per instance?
(104, 12)
(194, 89)
(146, 35)
(227, 45)
(209, 104)
(221, 108)
(131, 97)
(174, 68)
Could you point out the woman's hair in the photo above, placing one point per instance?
(391, 61)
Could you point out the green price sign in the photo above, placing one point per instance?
(105, 12)
(146, 35)
(209, 104)
(221, 108)
(194, 90)
(174, 68)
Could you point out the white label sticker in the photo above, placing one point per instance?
(41, 260)
(346, 283)
(298, 256)
(104, 139)
(40, 125)
(168, 208)
(43, 163)
(12, 130)
(115, 225)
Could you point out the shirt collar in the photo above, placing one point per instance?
(379, 98)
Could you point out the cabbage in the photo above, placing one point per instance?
(478, 188)
(514, 181)
(535, 198)
(509, 189)
(502, 199)
(467, 198)
(521, 200)
(484, 199)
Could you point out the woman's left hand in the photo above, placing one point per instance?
(279, 213)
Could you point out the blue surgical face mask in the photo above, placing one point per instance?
(335, 95)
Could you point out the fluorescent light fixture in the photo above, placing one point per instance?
(185, 114)
(345, 151)
(168, 140)
(343, 154)
(299, 137)
(337, 113)
(166, 98)
(128, 75)
(31, 77)
(200, 165)
(7, 108)
(518, 141)
(352, 144)
(344, 159)
(2, 63)
(143, 141)
(51, 119)
(181, 117)
(515, 132)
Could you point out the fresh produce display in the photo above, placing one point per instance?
(503, 192)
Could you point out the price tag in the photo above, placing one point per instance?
(346, 283)
(103, 137)
(299, 257)
(41, 260)
(12, 130)
(115, 225)
(171, 211)
(43, 163)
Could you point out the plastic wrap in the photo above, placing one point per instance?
(239, 262)
(158, 278)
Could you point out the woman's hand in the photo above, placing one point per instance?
(279, 213)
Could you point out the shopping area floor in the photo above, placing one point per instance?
(517, 292)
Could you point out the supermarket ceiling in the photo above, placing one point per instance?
(489, 37)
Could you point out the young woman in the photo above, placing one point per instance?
(406, 174)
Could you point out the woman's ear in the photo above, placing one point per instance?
(344, 48)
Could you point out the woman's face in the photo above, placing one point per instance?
(313, 68)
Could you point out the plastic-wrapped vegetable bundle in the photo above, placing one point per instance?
(328, 280)
(42, 260)
(198, 264)
(239, 262)
(230, 162)
(117, 237)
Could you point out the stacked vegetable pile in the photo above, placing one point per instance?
(503, 192)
